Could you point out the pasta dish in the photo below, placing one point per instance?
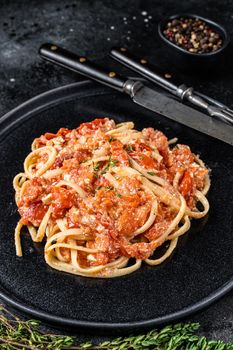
(104, 196)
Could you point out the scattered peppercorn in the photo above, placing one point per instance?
(193, 35)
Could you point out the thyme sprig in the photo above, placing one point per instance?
(16, 334)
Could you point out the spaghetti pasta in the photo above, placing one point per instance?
(105, 196)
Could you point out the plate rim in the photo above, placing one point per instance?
(96, 325)
(120, 326)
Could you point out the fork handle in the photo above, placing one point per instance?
(141, 66)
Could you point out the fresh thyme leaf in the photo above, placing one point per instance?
(151, 173)
(18, 334)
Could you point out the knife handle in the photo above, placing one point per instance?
(81, 65)
(140, 66)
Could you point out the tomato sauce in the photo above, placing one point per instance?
(110, 214)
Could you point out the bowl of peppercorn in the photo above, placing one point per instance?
(194, 42)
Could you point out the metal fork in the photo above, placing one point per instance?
(221, 108)
(184, 93)
(211, 106)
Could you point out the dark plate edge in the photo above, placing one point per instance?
(120, 326)
(49, 98)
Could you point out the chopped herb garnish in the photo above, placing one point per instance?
(96, 166)
(151, 173)
(129, 148)
(118, 195)
(109, 188)
(98, 188)
(142, 157)
(111, 139)
(111, 163)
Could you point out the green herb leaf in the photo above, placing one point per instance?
(119, 195)
(109, 188)
(113, 162)
(129, 148)
(19, 334)
(151, 173)
(96, 166)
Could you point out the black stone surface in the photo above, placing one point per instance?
(91, 29)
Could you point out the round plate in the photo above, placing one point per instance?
(198, 273)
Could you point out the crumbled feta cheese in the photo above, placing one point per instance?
(91, 257)
(100, 228)
(82, 140)
(58, 140)
(47, 199)
(67, 177)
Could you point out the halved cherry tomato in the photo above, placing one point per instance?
(118, 152)
(186, 184)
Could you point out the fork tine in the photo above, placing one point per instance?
(226, 116)
(228, 111)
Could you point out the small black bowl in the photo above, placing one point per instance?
(186, 60)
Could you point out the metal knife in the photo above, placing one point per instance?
(183, 92)
(139, 93)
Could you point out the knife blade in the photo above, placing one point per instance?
(181, 91)
(183, 114)
(142, 95)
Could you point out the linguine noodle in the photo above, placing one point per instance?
(103, 197)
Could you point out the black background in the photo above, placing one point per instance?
(91, 28)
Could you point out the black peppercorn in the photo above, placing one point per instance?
(193, 35)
